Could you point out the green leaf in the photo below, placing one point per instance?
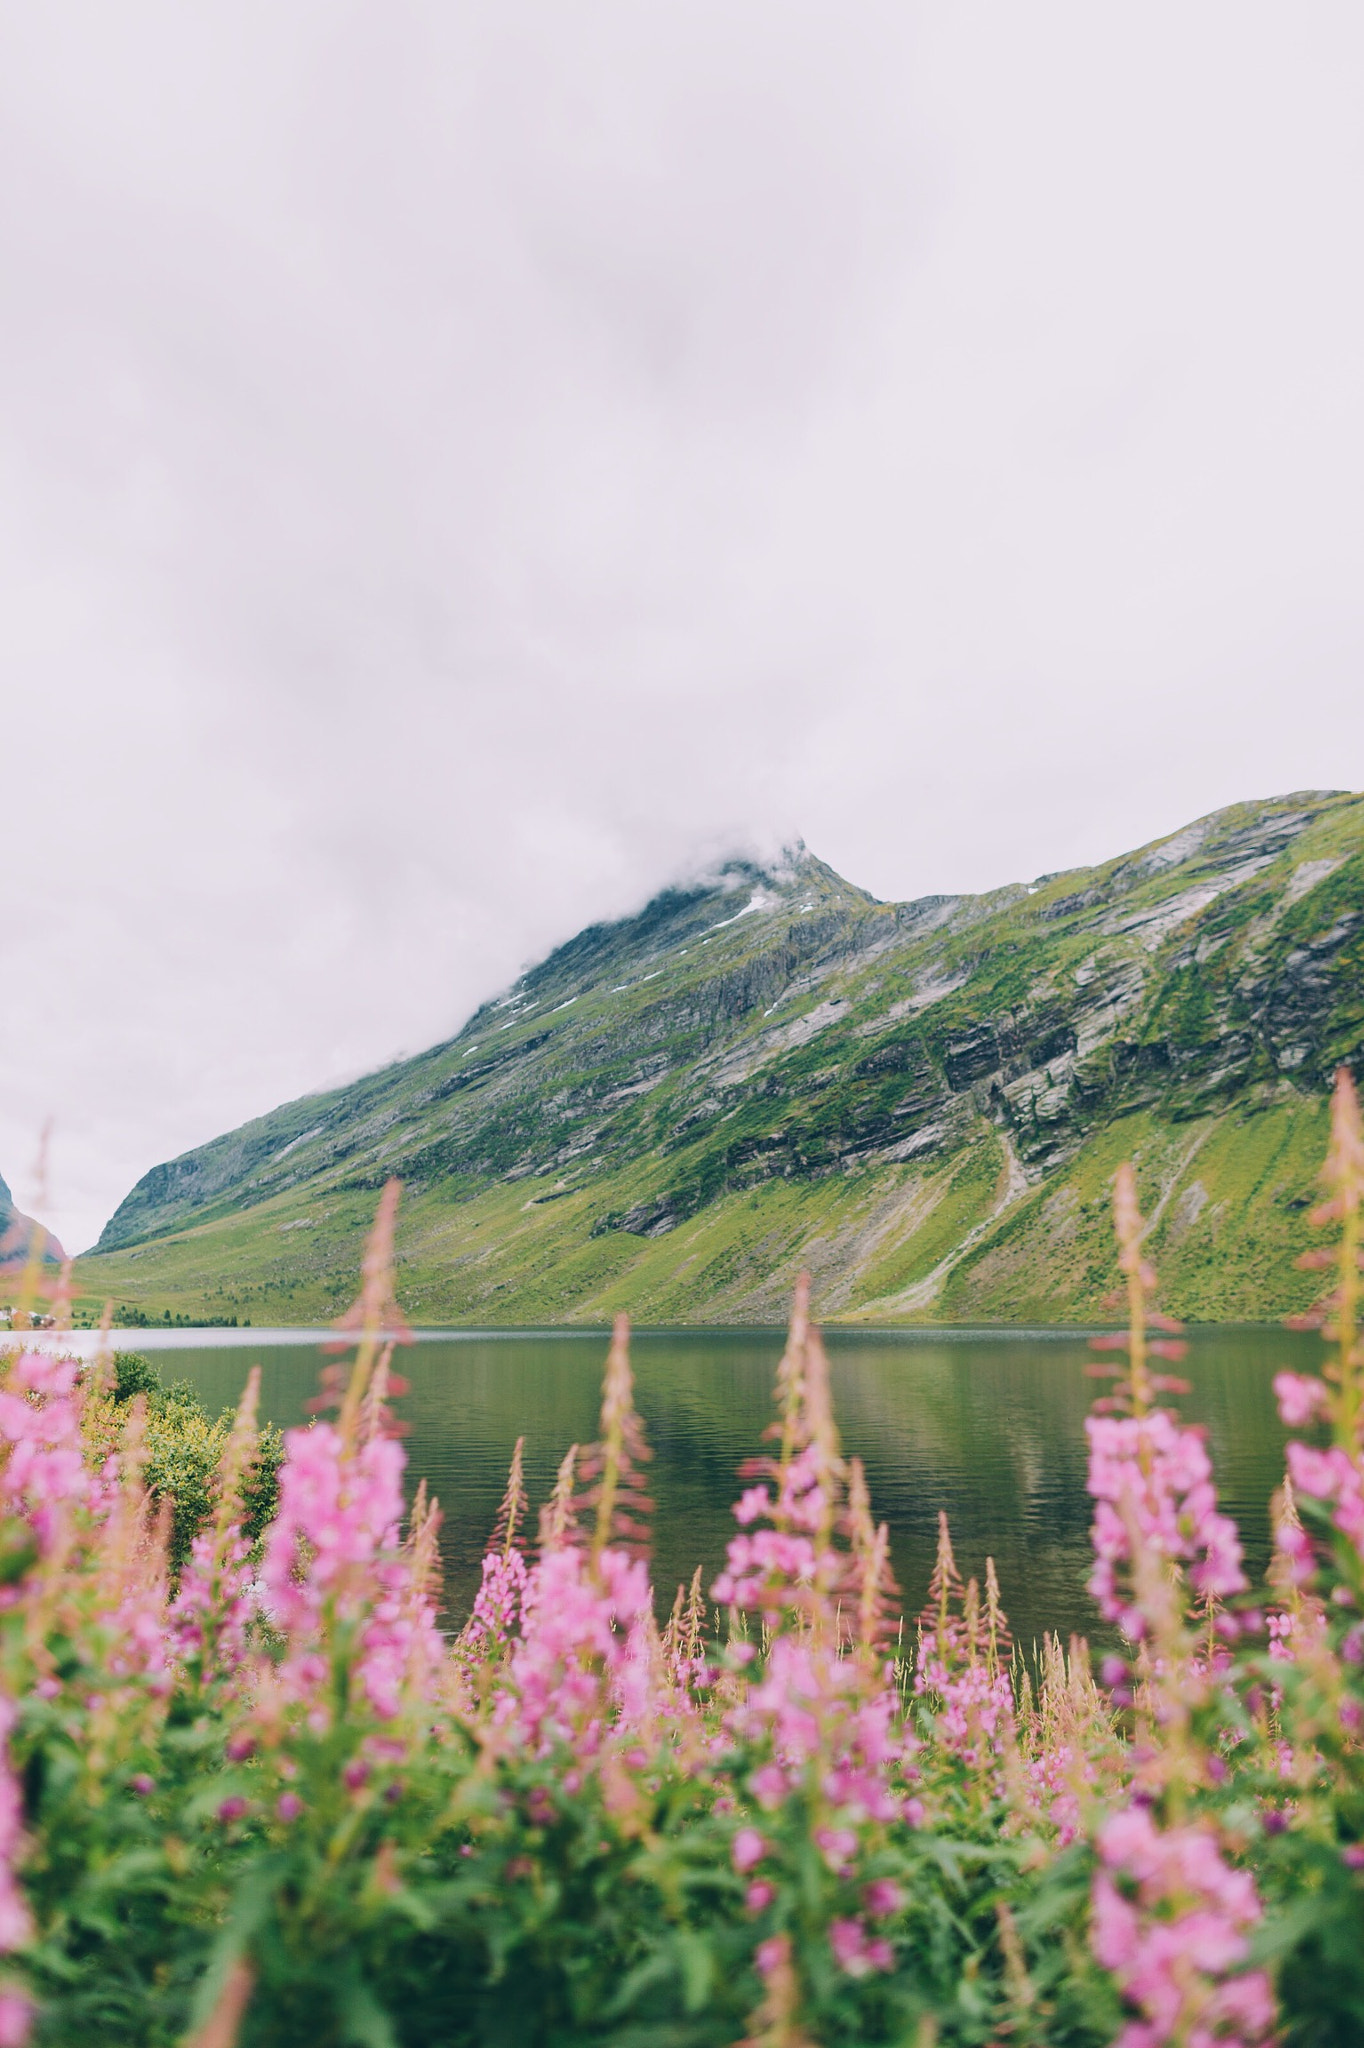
(698, 1968)
(363, 2019)
(250, 1907)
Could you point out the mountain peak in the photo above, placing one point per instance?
(767, 1067)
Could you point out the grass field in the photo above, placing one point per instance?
(1229, 1194)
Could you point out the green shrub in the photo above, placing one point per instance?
(184, 1447)
(134, 1373)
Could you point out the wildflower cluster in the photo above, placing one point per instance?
(251, 1792)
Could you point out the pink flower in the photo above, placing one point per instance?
(760, 1895)
(811, 1705)
(45, 1475)
(234, 1808)
(575, 1649)
(498, 1604)
(332, 1550)
(883, 1897)
(289, 1806)
(1301, 1399)
(769, 1786)
(854, 1953)
(15, 1925)
(217, 1594)
(345, 1509)
(1172, 1944)
(975, 1713)
(747, 1849)
(1114, 1926)
(838, 1847)
(1148, 1473)
(1246, 2003)
(1294, 1546)
(753, 1505)
(762, 1567)
(777, 1567)
(16, 2018)
(847, 1939)
(771, 1954)
(1331, 1476)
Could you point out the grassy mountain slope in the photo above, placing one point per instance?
(924, 1102)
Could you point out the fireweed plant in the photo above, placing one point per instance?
(251, 1793)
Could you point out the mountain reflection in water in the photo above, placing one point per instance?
(988, 1425)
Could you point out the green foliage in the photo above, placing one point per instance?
(184, 1447)
(134, 1373)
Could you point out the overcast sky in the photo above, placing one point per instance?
(462, 465)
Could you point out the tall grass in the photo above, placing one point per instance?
(251, 1793)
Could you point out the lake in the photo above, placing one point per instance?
(986, 1424)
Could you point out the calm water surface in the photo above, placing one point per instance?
(989, 1426)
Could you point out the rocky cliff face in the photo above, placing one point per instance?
(775, 1037)
(16, 1235)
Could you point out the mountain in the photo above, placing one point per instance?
(923, 1102)
(16, 1232)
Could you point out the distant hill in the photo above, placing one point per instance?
(16, 1233)
(924, 1102)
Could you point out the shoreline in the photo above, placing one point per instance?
(85, 1344)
